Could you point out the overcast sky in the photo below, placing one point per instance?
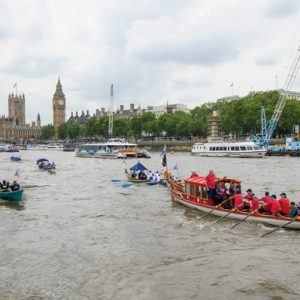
(154, 51)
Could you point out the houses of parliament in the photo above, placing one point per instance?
(14, 126)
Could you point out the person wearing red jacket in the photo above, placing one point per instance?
(274, 206)
(211, 181)
(254, 203)
(248, 196)
(267, 202)
(238, 201)
(284, 204)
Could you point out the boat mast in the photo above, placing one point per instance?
(111, 113)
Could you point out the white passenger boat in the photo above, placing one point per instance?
(113, 148)
(228, 149)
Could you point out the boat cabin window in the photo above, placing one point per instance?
(187, 189)
(232, 148)
(256, 148)
(204, 193)
(249, 147)
(217, 148)
(243, 148)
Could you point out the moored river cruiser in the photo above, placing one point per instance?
(113, 148)
(228, 149)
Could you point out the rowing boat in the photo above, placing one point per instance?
(12, 196)
(193, 193)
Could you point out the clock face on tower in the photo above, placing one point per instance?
(61, 102)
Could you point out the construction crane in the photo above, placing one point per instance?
(111, 113)
(268, 130)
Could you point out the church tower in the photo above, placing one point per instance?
(16, 108)
(59, 106)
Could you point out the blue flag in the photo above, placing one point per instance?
(163, 154)
(17, 173)
(175, 167)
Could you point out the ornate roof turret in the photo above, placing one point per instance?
(38, 117)
(59, 92)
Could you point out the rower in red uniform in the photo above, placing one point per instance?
(254, 203)
(248, 196)
(238, 201)
(267, 202)
(275, 206)
(284, 204)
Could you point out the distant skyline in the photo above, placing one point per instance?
(153, 51)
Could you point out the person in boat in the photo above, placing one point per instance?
(142, 176)
(157, 176)
(275, 207)
(5, 186)
(220, 193)
(238, 201)
(253, 203)
(284, 204)
(150, 176)
(294, 210)
(133, 174)
(211, 182)
(15, 186)
(248, 195)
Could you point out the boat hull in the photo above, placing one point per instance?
(267, 219)
(253, 154)
(15, 196)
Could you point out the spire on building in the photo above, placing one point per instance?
(38, 117)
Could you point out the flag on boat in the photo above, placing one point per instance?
(17, 174)
(175, 167)
(163, 154)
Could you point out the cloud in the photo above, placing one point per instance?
(152, 50)
(282, 8)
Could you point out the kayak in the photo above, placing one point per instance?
(12, 196)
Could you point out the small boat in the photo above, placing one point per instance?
(11, 149)
(143, 154)
(15, 196)
(137, 168)
(44, 164)
(113, 148)
(15, 158)
(193, 193)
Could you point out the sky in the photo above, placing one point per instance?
(153, 51)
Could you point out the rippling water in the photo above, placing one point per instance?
(79, 236)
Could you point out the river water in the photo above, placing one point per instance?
(80, 236)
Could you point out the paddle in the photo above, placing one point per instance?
(115, 180)
(242, 220)
(216, 207)
(281, 226)
(233, 210)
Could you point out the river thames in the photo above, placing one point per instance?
(80, 236)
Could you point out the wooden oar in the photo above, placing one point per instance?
(242, 220)
(233, 210)
(216, 207)
(281, 226)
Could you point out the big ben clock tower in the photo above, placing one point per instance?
(59, 106)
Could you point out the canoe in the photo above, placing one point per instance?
(12, 196)
(202, 203)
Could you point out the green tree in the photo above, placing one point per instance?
(62, 131)
(74, 130)
(48, 132)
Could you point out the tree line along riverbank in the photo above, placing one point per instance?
(240, 118)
